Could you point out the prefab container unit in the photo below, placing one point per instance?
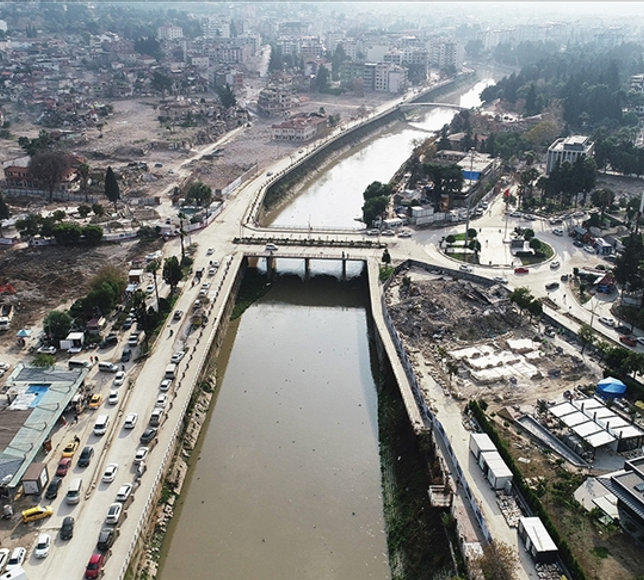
(35, 479)
(537, 540)
(499, 474)
(479, 443)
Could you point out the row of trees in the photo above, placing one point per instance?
(65, 233)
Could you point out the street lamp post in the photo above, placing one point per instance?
(469, 194)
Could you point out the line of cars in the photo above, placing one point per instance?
(623, 330)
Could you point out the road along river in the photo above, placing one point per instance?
(286, 480)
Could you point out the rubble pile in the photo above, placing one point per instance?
(452, 311)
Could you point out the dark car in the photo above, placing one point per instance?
(53, 487)
(623, 329)
(578, 243)
(67, 529)
(148, 435)
(127, 323)
(86, 456)
(127, 355)
(628, 340)
(109, 340)
(552, 286)
(105, 539)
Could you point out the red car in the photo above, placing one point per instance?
(628, 340)
(63, 466)
(94, 566)
(521, 270)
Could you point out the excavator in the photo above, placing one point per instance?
(7, 288)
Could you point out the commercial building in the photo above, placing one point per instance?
(568, 149)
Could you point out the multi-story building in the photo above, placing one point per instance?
(300, 127)
(216, 27)
(169, 32)
(445, 53)
(568, 149)
(277, 97)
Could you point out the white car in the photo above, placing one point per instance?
(113, 398)
(47, 350)
(177, 356)
(205, 286)
(141, 454)
(162, 400)
(607, 321)
(4, 556)
(42, 546)
(149, 289)
(124, 492)
(114, 513)
(119, 378)
(500, 279)
(4, 366)
(110, 472)
(558, 232)
(16, 559)
(554, 265)
(165, 385)
(589, 249)
(373, 232)
(210, 251)
(640, 339)
(465, 268)
(130, 421)
(404, 234)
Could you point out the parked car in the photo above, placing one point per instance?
(47, 350)
(70, 449)
(141, 454)
(63, 466)
(36, 513)
(156, 416)
(114, 513)
(130, 421)
(52, 489)
(578, 244)
(109, 340)
(165, 385)
(127, 355)
(110, 472)
(177, 356)
(373, 232)
(16, 559)
(127, 323)
(162, 400)
(148, 435)
(590, 249)
(623, 329)
(105, 539)
(86, 456)
(521, 270)
(43, 544)
(4, 556)
(67, 529)
(389, 233)
(640, 339)
(607, 321)
(124, 492)
(628, 340)
(404, 234)
(95, 566)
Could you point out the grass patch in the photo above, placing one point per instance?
(545, 253)
(600, 552)
(386, 272)
(467, 257)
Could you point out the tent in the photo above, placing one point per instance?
(23, 333)
(610, 388)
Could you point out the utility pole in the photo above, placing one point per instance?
(469, 193)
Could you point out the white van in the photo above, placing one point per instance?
(74, 491)
(108, 367)
(170, 371)
(100, 427)
(77, 363)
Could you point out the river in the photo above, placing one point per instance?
(285, 483)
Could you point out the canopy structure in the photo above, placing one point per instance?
(611, 387)
(23, 333)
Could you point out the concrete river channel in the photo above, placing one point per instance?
(286, 480)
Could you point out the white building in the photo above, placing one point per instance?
(445, 53)
(169, 32)
(568, 149)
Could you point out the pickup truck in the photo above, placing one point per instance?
(6, 314)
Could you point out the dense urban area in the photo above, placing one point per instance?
(147, 148)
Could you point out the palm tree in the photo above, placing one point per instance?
(83, 173)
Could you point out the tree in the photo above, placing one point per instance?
(498, 561)
(528, 234)
(141, 314)
(49, 168)
(112, 191)
(30, 225)
(199, 193)
(98, 209)
(586, 335)
(5, 214)
(33, 146)
(67, 234)
(92, 234)
(603, 199)
(43, 361)
(84, 210)
(172, 273)
(373, 208)
(322, 78)
(535, 244)
(57, 324)
(450, 239)
(226, 96)
(83, 174)
(101, 300)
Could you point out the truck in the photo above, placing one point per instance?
(6, 314)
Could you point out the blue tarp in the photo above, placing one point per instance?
(611, 387)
